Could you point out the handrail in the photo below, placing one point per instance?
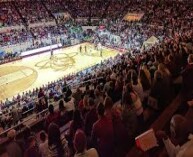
(160, 122)
(35, 115)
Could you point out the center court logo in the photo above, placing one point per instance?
(61, 61)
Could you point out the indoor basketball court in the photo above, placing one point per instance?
(35, 71)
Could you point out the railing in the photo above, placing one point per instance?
(26, 120)
(44, 111)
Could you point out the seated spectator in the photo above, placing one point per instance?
(80, 146)
(43, 147)
(102, 135)
(14, 148)
(58, 146)
(182, 144)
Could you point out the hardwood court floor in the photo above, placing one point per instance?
(35, 71)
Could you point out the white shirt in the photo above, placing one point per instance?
(70, 105)
(139, 90)
(185, 150)
(43, 147)
(88, 153)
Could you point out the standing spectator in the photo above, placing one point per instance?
(187, 75)
(14, 148)
(133, 99)
(102, 134)
(137, 87)
(53, 116)
(43, 144)
(58, 147)
(181, 130)
(158, 90)
(62, 113)
(145, 79)
(91, 117)
(80, 146)
(76, 123)
(77, 96)
(32, 148)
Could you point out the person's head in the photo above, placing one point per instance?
(87, 87)
(85, 100)
(100, 110)
(79, 141)
(142, 74)
(77, 116)
(51, 109)
(135, 79)
(61, 105)
(190, 59)
(144, 67)
(31, 141)
(27, 132)
(163, 69)
(43, 136)
(129, 88)
(180, 128)
(78, 89)
(91, 102)
(96, 92)
(53, 134)
(108, 103)
(11, 134)
(175, 124)
(157, 76)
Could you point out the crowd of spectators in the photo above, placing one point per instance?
(33, 11)
(96, 122)
(56, 6)
(14, 36)
(8, 15)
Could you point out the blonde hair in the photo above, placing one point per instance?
(11, 134)
(163, 69)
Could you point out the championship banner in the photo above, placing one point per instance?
(133, 16)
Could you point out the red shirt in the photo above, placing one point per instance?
(102, 136)
(52, 118)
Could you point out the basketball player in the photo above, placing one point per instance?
(85, 48)
(100, 48)
(101, 53)
(80, 49)
(51, 53)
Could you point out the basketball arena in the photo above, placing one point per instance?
(96, 78)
